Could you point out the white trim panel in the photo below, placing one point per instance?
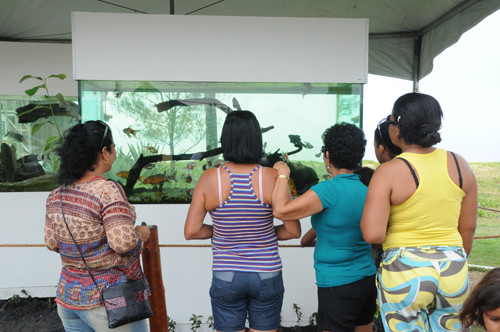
(141, 47)
(37, 59)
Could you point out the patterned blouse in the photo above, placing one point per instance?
(102, 223)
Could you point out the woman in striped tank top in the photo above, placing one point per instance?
(247, 278)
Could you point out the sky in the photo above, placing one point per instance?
(466, 82)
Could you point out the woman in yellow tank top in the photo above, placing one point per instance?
(422, 206)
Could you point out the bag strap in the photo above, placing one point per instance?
(77, 246)
(460, 179)
(411, 170)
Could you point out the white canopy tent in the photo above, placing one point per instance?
(405, 36)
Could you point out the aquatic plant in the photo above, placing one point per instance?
(58, 101)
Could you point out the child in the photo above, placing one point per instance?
(482, 307)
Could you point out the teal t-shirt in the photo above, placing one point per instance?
(341, 255)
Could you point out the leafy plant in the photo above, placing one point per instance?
(51, 141)
(210, 322)
(296, 308)
(171, 324)
(195, 322)
(313, 319)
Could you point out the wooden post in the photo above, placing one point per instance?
(152, 269)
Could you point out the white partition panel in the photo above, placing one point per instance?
(219, 48)
(37, 59)
(34, 270)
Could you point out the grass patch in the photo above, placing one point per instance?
(485, 252)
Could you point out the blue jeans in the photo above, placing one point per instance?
(234, 295)
(95, 320)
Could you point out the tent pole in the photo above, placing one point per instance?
(417, 47)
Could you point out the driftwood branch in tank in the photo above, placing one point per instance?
(142, 161)
(27, 114)
(166, 105)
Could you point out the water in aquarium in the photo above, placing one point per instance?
(31, 129)
(167, 133)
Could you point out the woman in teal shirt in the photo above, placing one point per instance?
(345, 272)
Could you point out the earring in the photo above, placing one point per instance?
(327, 167)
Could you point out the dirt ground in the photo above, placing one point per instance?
(30, 314)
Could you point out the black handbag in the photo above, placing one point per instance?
(125, 303)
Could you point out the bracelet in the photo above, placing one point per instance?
(282, 176)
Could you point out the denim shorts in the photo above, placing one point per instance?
(236, 295)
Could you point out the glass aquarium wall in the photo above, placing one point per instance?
(31, 129)
(167, 133)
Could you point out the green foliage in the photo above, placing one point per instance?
(53, 141)
(298, 312)
(313, 319)
(195, 322)
(210, 322)
(171, 324)
(485, 252)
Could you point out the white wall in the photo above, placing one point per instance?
(202, 48)
(186, 271)
(37, 59)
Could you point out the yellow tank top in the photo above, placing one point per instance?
(430, 216)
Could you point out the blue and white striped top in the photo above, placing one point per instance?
(243, 229)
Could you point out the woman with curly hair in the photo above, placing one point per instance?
(422, 206)
(482, 307)
(345, 272)
(101, 220)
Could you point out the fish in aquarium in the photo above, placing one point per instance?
(154, 179)
(189, 179)
(16, 136)
(207, 165)
(160, 178)
(125, 174)
(130, 132)
(191, 165)
(293, 189)
(152, 149)
(171, 177)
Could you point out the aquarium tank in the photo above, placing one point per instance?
(167, 133)
(31, 129)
